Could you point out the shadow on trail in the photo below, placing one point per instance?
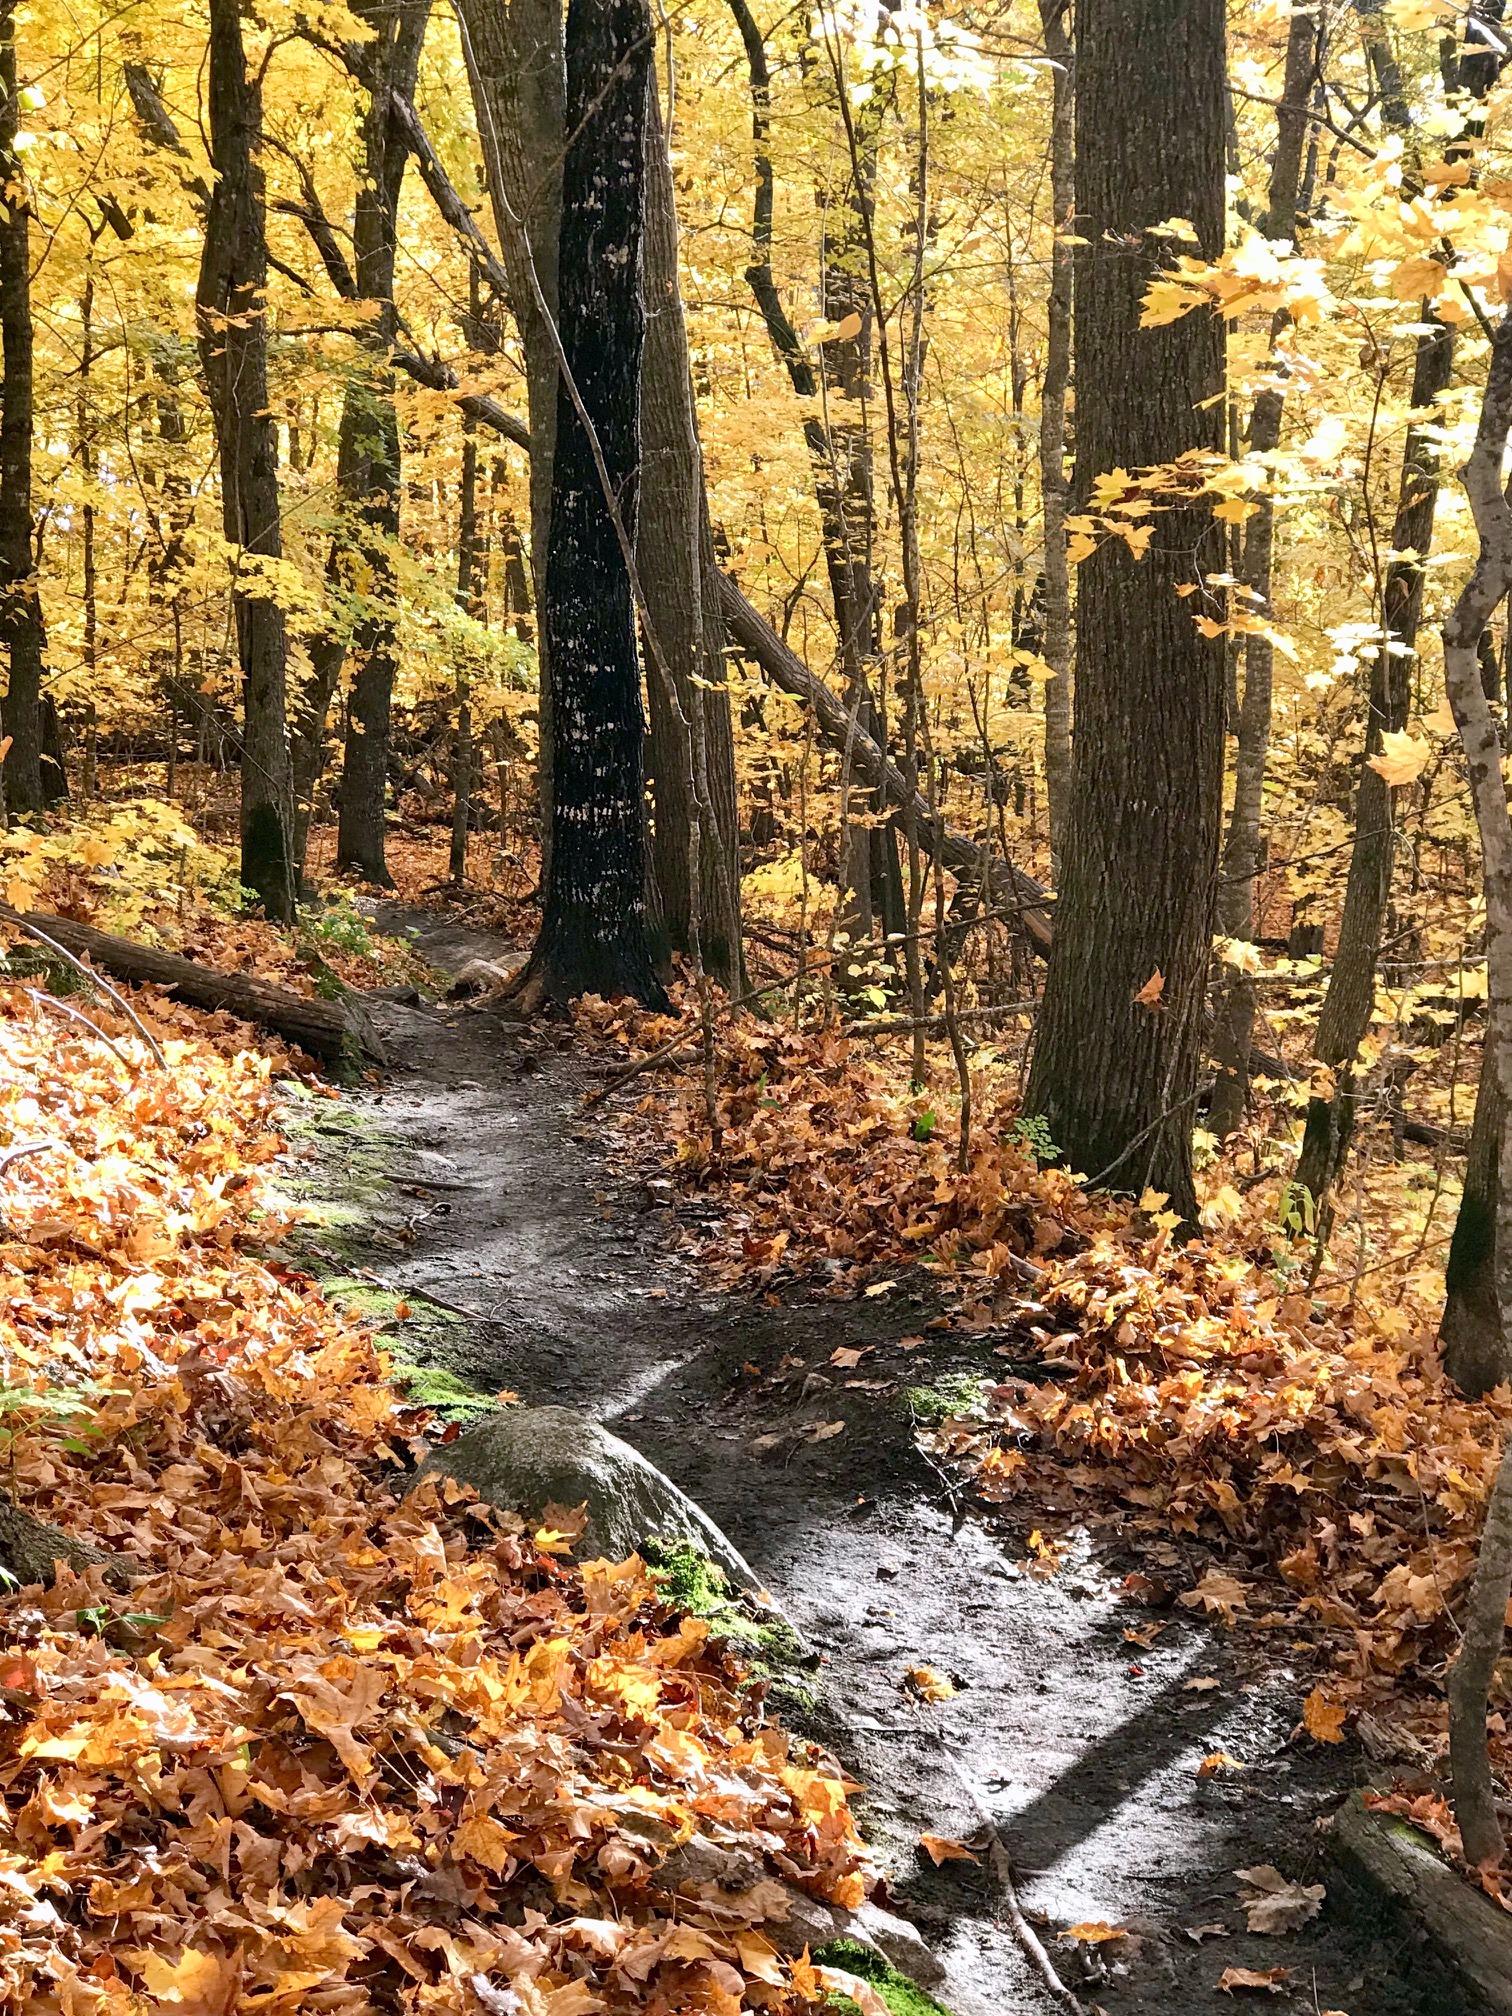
(1085, 1748)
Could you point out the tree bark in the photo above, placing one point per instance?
(334, 1030)
(1116, 1079)
(1475, 1351)
(22, 635)
(370, 436)
(1350, 1000)
(469, 554)
(1485, 1613)
(233, 340)
(515, 65)
(679, 578)
(1235, 1025)
(1056, 647)
(593, 933)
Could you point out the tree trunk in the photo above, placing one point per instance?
(515, 65)
(468, 555)
(373, 469)
(1483, 1617)
(678, 573)
(1350, 999)
(21, 628)
(233, 339)
(1475, 1352)
(1242, 849)
(1115, 1078)
(1056, 647)
(593, 934)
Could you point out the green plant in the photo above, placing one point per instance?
(1032, 1131)
(924, 1125)
(339, 929)
(1297, 1211)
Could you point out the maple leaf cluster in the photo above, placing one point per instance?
(336, 1748)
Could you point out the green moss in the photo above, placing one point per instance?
(769, 1649)
(957, 1393)
(435, 1386)
(902, 1996)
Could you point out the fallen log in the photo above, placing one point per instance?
(755, 638)
(336, 1031)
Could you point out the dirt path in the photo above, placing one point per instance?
(483, 1186)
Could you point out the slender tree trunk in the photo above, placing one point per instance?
(1485, 1612)
(1116, 1077)
(593, 934)
(233, 338)
(373, 467)
(1350, 1000)
(22, 636)
(1056, 647)
(467, 598)
(515, 65)
(676, 564)
(1475, 1351)
(1242, 848)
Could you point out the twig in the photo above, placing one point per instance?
(1002, 1868)
(77, 1015)
(23, 1149)
(88, 973)
(398, 1289)
(893, 1025)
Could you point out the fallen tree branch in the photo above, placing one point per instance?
(1002, 1868)
(73, 1014)
(897, 1025)
(755, 638)
(329, 1029)
(23, 1149)
(24, 923)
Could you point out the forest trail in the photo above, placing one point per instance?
(471, 1175)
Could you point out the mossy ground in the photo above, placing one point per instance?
(955, 1393)
(769, 1648)
(902, 1996)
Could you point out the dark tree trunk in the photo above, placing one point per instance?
(233, 340)
(1114, 1078)
(21, 629)
(593, 934)
(372, 476)
(1475, 1355)
(678, 572)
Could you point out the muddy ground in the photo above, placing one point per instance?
(470, 1172)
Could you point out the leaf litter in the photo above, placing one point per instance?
(338, 1748)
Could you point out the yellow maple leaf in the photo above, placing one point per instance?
(1323, 1717)
(1402, 759)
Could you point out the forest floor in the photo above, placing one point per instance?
(471, 1173)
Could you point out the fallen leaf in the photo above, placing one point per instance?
(848, 1356)
(881, 1287)
(1197, 1933)
(929, 1684)
(867, 1997)
(1323, 1717)
(1149, 995)
(1217, 1592)
(823, 1431)
(1203, 1684)
(940, 1848)
(1093, 1932)
(1216, 1763)
(1275, 1905)
(1273, 1979)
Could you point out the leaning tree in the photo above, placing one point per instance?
(1116, 1067)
